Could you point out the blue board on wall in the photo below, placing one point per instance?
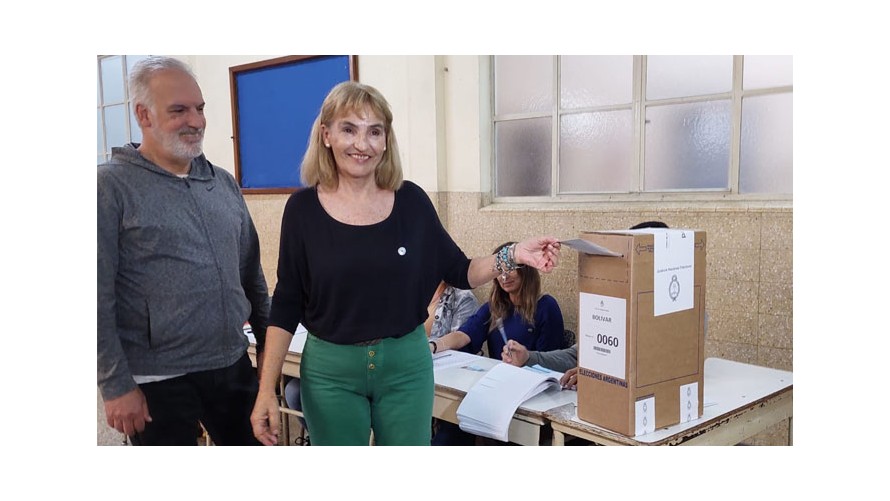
(274, 104)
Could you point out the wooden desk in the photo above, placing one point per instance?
(291, 365)
(741, 400)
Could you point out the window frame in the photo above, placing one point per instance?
(638, 108)
(101, 105)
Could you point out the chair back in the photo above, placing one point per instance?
(568, 338)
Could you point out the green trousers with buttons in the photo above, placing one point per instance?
(387, 387)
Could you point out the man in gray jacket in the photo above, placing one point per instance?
(178, 275)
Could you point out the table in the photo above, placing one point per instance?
(292, 359)
(740, 400)
(454, 379)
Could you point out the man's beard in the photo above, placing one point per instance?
(181, 149)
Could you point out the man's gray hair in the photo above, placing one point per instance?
(144, 70)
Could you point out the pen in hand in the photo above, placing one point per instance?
(503, 332)
(507, 354)
(514, 353)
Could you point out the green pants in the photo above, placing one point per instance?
(387, 387)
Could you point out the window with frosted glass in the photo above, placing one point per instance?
(524, 84)
(767, 71)
(766, 146)
(687, 146)
(682, 76)
(115, 125)
(596, 146)
(596, 152)
(116, 122)
(588, 81)
(523, 152)
(112, 80)
(642, 124)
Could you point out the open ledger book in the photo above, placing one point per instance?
(489, 406)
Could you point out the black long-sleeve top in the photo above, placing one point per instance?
(349, 283)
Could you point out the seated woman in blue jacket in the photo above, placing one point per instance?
(525, 315)
(516, 310)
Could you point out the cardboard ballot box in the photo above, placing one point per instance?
(641, 328)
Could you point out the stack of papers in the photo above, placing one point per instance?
(489, 406)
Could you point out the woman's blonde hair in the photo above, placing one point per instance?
(499, 303)
(319, 166)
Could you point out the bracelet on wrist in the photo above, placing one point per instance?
(505, 260)
(435, 346)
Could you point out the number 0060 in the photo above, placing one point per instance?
(607, 340)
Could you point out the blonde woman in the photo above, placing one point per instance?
(361, 253)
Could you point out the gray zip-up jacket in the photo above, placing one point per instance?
(178, 271)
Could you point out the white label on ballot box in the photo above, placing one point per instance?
(602, 345)
(674, 270)
(644, 416)
(688, 402)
